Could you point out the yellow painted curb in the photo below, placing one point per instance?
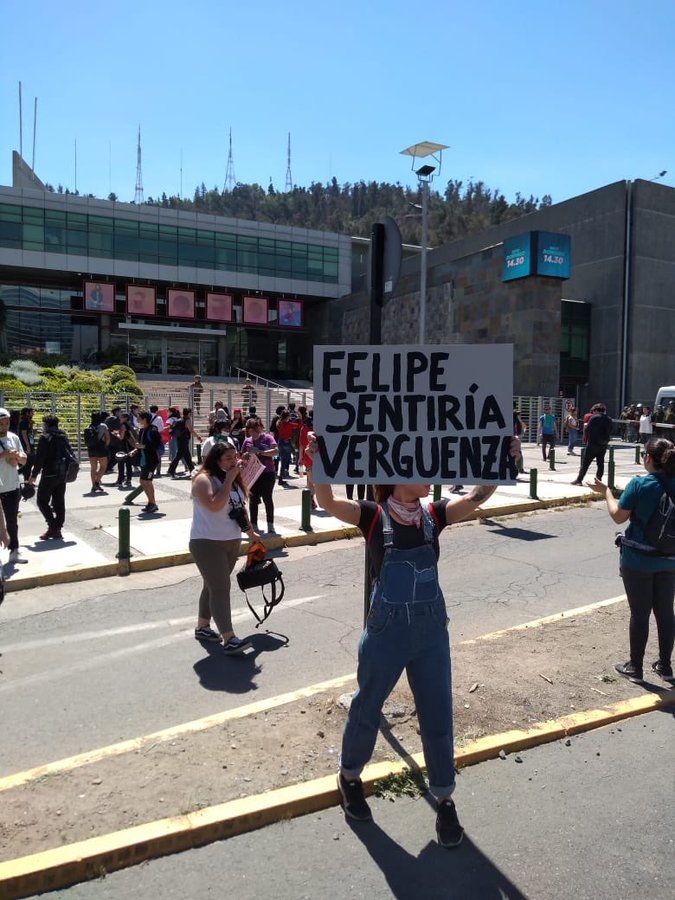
(64, 866)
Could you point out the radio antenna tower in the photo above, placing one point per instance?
(138, 195)
(289, 177)
(230, 178)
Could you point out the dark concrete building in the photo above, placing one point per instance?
(606, 333)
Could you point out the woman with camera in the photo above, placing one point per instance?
(218, 519)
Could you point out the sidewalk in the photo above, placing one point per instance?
(91, 534)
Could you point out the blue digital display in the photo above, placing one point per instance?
(553, 254)
(517, 260)
(537, 253)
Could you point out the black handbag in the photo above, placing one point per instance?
(257, 572)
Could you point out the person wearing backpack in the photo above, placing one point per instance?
(182, 431)
(648, 556)
(52, 458)
(406, 629)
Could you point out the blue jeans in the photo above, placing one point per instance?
(285, 448)
(572, 438)
(407, 628)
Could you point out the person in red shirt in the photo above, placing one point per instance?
(285, 431)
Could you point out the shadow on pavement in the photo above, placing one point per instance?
(51, 544)
(437, 873)
(521, 534)
(235, 674)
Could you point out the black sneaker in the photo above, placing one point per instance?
(236, 645)
(665, 671)
(150, 508)
(448, 830)
(629, 671)
(205, 633)
(353, 799)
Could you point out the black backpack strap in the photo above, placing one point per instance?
(268, 604)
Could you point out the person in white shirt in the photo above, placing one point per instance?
(11, 457)
(646, 427)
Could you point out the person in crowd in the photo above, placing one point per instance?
(135, 412)
(275, 419)
(148, 446)
(295, 419)
(285, 430)
(572, 426)
(598, 432)
(171, 419)
(127, 443)
(249, 396)
(50, 467)
(649, 578)
(196, 391)
(97, 441)
(306, 460)
(220, 435)
(548, 431)
(159, 424)
(26, 433)
(263, 445)
(183, 431)
(218, 519)
(407, 628)
(112, 423)
(12, 457)
(646, 425)
(238, 427)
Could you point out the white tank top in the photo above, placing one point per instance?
(216, 525)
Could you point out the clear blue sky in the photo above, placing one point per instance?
(533, 97)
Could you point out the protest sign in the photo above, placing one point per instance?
(440, 414)
(252, 470)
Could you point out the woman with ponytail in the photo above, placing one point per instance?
(648, 575)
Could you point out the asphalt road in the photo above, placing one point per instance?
(85, 665)
(590, 818)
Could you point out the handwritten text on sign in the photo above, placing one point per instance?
(393, 414)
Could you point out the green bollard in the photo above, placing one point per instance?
(611, 456)
(306, 518)
(198, 450)
(610, 471)
(551, 459)
(129, 499)
(124, 540)
(638, 459)
(437, 492)
(533, 484)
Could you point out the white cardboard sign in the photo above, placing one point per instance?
(437, 414)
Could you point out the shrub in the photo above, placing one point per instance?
(128, 387)
(119, 373)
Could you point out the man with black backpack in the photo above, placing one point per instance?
(53, 458)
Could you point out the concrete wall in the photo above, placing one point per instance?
(468, 302)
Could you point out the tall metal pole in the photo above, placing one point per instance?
(423, 260)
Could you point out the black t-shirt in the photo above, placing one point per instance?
(406, 537)
(599, 429)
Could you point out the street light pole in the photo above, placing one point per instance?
(423, 260)
(424, 175)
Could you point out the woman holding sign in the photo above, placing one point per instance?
(407, 628)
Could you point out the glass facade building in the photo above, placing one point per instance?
(51, 245)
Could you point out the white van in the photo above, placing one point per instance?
(664, 397)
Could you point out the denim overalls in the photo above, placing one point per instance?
(407, 628)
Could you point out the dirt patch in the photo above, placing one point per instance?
(512, 681)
